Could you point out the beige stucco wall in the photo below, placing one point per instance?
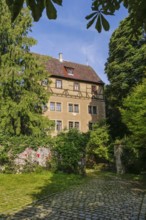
(67, 95)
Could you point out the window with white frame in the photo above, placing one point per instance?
(58, 106)
(70, 124)
(58, 125)
(55, 106)
(70, 107)
(70, 71)
(73, 124)
(52, 106)
(92, 110)
(76, 124)
(76, 108)
(76, 86)
(73, 108)
(58, 83)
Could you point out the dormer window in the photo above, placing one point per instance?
(69, 71)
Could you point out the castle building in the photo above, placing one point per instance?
(77, 99)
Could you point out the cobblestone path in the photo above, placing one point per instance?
(113, 199)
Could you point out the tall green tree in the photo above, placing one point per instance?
(134, 113)
(100, 9)
(125, 68)
(22, 97)
(134, 116)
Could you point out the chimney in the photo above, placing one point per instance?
(60, 57)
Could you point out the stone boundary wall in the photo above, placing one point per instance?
(40, 157)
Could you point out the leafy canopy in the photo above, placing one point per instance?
(100, 9)
(134, 113)
(125, 68)
(134, 116)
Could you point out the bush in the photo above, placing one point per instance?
(69, 152)
(98, 145)
(133, 156)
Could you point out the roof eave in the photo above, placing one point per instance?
(87, 81)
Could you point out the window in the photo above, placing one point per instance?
(52, 106)
(76, 108)
(90, 125)
(76, 86)
(70, 71)
(55, 106)
(58, 107)
(58, 125)
(44, 108)
(73, 108)
(70, 106)
(58, 84)
(93, 88)
(70, 124)
(92, 110)
(44, 82)
(76, 124)
(73, 124)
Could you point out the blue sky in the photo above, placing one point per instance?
(68, 34)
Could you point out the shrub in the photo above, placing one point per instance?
(98, 144)
(69, 152)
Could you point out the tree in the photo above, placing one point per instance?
(125, 68)
(100, 8)
(134, 113)
(22, 97)
(134, 116)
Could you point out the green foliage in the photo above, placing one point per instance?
(69, 149)
(125, 68)
(97, 148)
(100, 8)
(36, 8)
(100, 21)
(134, 112)
(4, 159)
(134, 116)
(22, 97)
(130, 157)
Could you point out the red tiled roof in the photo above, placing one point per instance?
(81, 72)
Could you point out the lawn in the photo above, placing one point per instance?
(19, 190)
